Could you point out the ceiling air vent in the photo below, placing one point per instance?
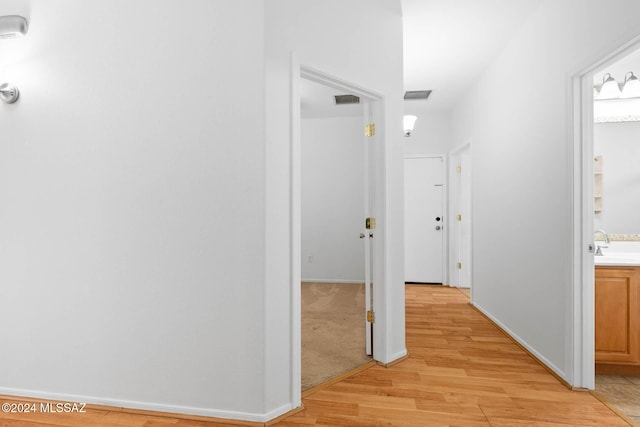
(417, 94)
(347, 99)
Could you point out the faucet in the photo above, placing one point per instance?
(606, 241)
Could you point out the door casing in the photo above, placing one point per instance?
(457, 244)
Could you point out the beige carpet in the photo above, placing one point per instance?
(332, 331)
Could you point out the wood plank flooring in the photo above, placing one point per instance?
(462, 372)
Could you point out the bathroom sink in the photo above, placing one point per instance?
(618, 259)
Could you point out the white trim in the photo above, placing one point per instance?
(460, 147)
(398, 355)
(275, 413)
(382, 282)
(523, 343)
(451, 204)
(315, 75)
(581, 316)
(446, 220)
(426, 156)
(453, 189)
(159, 407)
(294, 231)
(471, 251)
(353, 282)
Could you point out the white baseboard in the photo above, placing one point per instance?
(278, 411)
(130, 404)
(523, 343)
(396, 356)
(355, 282)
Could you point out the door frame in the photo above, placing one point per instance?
(581, 317)
(454, 238)
(444, 207)
(377, 112)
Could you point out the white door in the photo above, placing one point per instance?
(424, 219)
(462, 229)
(368, 224)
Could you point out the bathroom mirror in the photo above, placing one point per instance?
(618, 144)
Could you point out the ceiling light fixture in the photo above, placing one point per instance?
(631, 88)
(11, 26)
(409, 123)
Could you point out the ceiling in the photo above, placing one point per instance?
(447, 45)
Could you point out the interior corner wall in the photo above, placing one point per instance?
(131, 233)
(432, 132)
(522, 179)
(332, 212)
(359, 41)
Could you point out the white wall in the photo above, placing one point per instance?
(332, 212)
(131, 223)
(432, 132)
(359, 41)
(620, 150)
(522, 180)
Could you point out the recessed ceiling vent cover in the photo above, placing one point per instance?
(347, 99)
(417, 94)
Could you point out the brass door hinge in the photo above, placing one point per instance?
(459, 217)
(459, 169)
(371, 316)
(459, 266)
(370, 130)
(370, 223)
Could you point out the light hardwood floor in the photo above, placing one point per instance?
(462, 372)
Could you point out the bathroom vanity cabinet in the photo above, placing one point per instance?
(617, 319)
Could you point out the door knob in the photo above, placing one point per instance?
(362, 235)
(438, 227)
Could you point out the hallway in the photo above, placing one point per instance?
(462, 371)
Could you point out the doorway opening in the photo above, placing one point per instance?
(599, 288)
(333, 186)
(616, 203)
(369, 233)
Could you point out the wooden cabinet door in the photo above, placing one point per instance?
(616, 302)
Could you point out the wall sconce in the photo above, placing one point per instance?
(631, 88)
(11, 26)
(609, 88)
(409, 123)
